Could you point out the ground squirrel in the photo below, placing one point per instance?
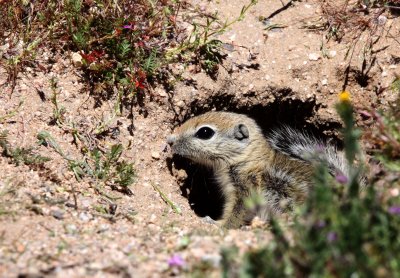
(278, 166)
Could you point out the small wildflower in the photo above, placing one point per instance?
(176, 261)
(128, 26)
(394, 210)
(365, 114)
(331, 237)
(140, 84)
(139, 79)
(340, 178)
(344, 96)
(117, 31)
(92, 56)
(320, 224)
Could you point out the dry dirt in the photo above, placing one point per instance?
(277, 76)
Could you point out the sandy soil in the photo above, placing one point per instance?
(276, 76)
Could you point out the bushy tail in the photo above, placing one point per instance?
(302, 146)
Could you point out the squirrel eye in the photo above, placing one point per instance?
(204, 133)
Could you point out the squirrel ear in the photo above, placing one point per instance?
(241, 132)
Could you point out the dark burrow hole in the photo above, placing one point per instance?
(361, 79)
(201, 188)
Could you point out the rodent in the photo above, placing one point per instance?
(244, 160)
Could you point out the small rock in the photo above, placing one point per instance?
(180, 103)
(103, 228)
(162, 93)
(381, 20)
(181, 175)
(214, 260)
(85, 203)
(155, 155)
(153, 218)
(314, 56)
(332, 53)
(71, 229)
(20, 248)
(324, 82)
(257, 223)
(58, 214)
(77, 59)
(85, 217)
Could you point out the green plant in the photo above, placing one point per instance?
(386, 137)
(7, 197)
(123, 45)
(202, 45)
(11, 114)
(104, 168)
(20, 155)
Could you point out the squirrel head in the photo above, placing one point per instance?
(215, 138)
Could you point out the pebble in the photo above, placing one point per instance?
(324, 82)
(58, 214)
(71, 229)
(162, 94)
(214, 260)
(181, 174)
(77, 59)
(180, 103)
(153, 218)
(85, 217)
(257, 223)
(155, 155)
(314, 56)
(381, 20)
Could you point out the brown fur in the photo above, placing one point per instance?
(243, 166)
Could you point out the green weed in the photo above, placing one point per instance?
(104, 168)
(20, 155)
(201, 47)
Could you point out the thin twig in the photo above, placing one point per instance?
(166, 199)
(286, 6)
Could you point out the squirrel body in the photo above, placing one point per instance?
(245, 161)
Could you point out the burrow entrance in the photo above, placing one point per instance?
(270, 108)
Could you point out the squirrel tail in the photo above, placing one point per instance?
(302, 146)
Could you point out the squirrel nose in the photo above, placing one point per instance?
(171, 139)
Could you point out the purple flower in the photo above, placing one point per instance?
(394, 210)
(130, 26)
(176, 261)
(331, 237)
(340, 178)
(320, 224)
